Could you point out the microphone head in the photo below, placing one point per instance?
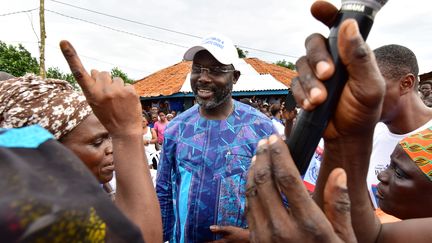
(376, 5)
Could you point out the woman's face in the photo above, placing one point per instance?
(154, 118)
(144, 122)
(91, 142)
(404, 191)
(162, 116)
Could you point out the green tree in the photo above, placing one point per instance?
(286, 64)
(241, 53)
(54, 72)
(116, 72)
(17, 60)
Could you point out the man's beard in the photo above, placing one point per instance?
(220, 96)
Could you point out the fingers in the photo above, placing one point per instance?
(288, 178)
(118, 81)
(360, 63)
(256, 218)
(218, 229)
(314, 68)
(324, 12)
(308, 91)
(76, 67)
(337, 205)
(318, 56)
(267, 190)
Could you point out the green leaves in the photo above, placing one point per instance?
(116, 72)
(54, 72)
(286, 64)
(17, 60)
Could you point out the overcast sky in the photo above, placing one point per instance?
(278, 26)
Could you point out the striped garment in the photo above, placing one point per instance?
(203, 171)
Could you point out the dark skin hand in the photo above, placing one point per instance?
(273, 172)
(230, 234)
(118, 108)
(348, 137)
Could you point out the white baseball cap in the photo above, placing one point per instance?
(220, 46)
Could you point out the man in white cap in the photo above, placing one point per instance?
(207, 151)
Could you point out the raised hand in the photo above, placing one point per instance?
(116, 106)
(360, 103)
(272, 173)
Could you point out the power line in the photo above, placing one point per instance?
(117, 30)
(98, 60)
(136, 22)
(80, 54)
(166, 29)
(18, 12)
(270, 52)
(128, 20)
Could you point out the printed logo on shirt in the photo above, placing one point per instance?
(380, 167)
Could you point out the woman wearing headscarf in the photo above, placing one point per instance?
(116, 107)
(405, 188)
(56, 106)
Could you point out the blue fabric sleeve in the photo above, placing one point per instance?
(24, 137)
(164, 189)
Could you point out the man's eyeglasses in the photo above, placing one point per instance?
(213, 71)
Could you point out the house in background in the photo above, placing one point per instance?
(171, 85)
(425, 76)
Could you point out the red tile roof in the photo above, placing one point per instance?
(169, 80)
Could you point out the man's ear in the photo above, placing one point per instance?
(407, 83)
(236, 76)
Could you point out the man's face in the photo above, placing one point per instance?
(392, 97)
(154, 118)
(425, 89)
(213, 86)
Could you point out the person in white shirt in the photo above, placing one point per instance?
(276, 112)
(403, 111)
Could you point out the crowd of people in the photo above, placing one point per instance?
(93, 166)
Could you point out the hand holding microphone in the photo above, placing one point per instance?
(347, 58)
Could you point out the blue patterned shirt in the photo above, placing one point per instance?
(203, 171)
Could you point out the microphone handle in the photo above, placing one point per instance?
(310, 125)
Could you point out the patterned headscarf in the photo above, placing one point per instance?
(418, 146)
(51, 103)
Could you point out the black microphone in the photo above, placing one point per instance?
(310, 125)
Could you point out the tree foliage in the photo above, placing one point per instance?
(116, 72)
(54, 72)
(286, 64)
(241, 53)
(17, 60)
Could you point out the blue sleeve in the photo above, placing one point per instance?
(164, 188)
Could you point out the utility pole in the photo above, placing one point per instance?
(42, 40)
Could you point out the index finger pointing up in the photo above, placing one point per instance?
(75, 65)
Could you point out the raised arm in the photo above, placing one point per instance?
(154, 136)
(118, 109)
(348, 137)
